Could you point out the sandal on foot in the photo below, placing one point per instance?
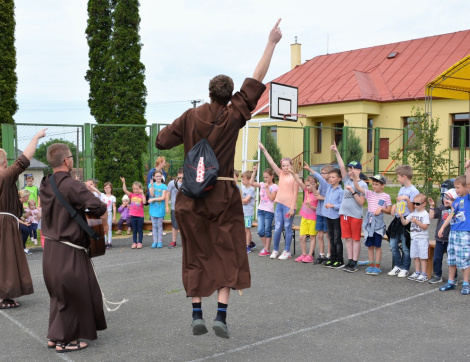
(70, 347)
(51, 346)
(220, 329)
(9, 304)
(199, 327)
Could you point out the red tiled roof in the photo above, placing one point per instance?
(367, 74)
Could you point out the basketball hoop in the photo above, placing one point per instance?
(297, 115)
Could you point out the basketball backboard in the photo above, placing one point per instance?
(283, 102)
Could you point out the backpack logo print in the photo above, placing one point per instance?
(200, 170)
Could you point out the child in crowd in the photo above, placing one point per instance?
(172, 191)
(286, 199)
(333, 199)
(33, 214)
(441, 213)
(33, 190)
(309, 218)
(110, 200)
(350, 211)
(157, 191)
(248, 201)
(396, 230)
(378, 203)
(125, 217)
(91, 185)
(136, 211)
(320, 226)
(459, 236)
(419, 220)
(267, 194)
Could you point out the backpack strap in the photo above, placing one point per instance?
(213, 124)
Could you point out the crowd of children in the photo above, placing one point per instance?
(328, 210)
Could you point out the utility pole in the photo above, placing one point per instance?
(194, 102)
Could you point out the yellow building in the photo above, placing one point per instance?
(364, 89)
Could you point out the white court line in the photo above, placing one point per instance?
(32, 334)
(308, 329)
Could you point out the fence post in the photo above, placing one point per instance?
(87, 153)
(462, 149)
(376, 150)
(262, 158)
(8, 142)
(306, 148)
(344, 145)
(154, 129)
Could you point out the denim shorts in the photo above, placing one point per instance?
(321, 223)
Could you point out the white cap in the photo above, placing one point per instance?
(451, 193)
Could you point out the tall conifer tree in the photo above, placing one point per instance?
(8, 78)
(117, 90)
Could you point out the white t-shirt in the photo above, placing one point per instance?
(108, 200)
(415, 231)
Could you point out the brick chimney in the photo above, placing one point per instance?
(295, 57)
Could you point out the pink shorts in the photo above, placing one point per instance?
(351, 227)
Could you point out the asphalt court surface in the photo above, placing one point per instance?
(292, 312)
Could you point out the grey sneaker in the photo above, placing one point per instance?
(413, 276)
(435, 280)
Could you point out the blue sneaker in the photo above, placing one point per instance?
(154, 245)
(248, 249)
(369, 270)
(465, 289)
(159, 245)
(447, 286)
(376, 271)
(252, 245)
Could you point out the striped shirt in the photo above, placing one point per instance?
(374, 198)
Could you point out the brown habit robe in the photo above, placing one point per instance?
(15, 278)
(76, 307)
(212, 229)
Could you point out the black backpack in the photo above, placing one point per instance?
(201, 168)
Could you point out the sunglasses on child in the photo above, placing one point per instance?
(418, 203)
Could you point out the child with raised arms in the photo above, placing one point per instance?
(308, 211)
(378, 203)
(267, 195)
(136, 211)
(286, 199)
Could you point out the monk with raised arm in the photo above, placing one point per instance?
(212, 228)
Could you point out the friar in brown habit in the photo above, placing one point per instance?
(212, 228)
(15, 278)
(76, 307)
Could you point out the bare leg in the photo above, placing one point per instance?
(263, 241)
(313, 243)
(248, 236)
(378, 255)
(267, 246)
(303, 244)
(424, 265)
(349, 247)
(321, 242)
(370, 253)
(417, 265)
(452, 272)
(223, 295)
(356, 244)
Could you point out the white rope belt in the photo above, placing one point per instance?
(223, 178)
(105, 301)
(7, 213)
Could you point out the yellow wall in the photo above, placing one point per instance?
(354, 114)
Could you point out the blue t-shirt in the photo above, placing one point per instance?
(461, 219)
(157, 208)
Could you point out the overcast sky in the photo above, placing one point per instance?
(185, 43)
